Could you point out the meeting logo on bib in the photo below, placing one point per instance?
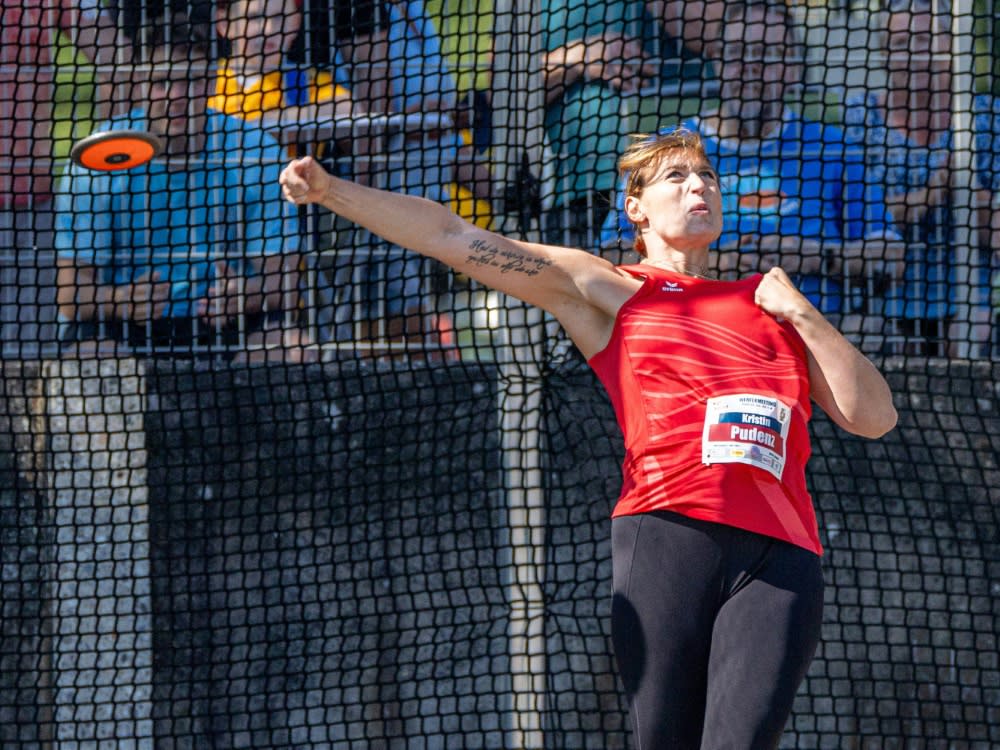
(746, 428)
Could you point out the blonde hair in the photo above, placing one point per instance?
(640, 165)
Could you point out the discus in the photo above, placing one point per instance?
(116, 149)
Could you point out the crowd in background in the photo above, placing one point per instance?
(872, 205)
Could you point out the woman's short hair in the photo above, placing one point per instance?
(640, 164)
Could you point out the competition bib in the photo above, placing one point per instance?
(748, 429)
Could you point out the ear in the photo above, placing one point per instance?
(633, 210)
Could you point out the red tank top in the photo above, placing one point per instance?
(712, 397)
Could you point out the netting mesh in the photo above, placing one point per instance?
(269, 481)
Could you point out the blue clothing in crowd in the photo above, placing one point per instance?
(902, 165)
(584, 125)
(804, 182)
(419, 76)
(225, 204)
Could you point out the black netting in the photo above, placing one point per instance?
(267, 480)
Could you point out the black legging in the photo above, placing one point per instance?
(714, 629)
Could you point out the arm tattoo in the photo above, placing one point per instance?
(487, 255)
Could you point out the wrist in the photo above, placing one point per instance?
(801, 312)
(329, 196)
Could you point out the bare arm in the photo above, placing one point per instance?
(583, 291)
(845, 384)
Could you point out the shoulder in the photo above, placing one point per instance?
(859, 108)
(988, 107)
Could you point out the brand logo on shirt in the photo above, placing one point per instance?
(671, 286)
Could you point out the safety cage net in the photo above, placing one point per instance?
(268, 480)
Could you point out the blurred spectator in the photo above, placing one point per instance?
(689, 31)
(907, 133)
(793, 194)
(466, 31)
(395, 54)
(190, 251)
(28, 45)
(593, 55)
(597, 56)
(256, 76)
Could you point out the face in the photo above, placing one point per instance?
(917, 52)
(755, 62)
(177, 94)
(682, 203)
(261, 31)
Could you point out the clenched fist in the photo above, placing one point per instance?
(304, 181)
(777, 295)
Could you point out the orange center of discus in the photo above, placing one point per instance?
(117, 153)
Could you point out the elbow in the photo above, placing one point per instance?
(879, 424)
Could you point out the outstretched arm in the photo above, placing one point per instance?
(571, 284)
(845, 384)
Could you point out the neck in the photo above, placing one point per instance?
(682, 266)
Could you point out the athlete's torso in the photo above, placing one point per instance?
(712, 395)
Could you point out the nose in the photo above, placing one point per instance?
(696, 183)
